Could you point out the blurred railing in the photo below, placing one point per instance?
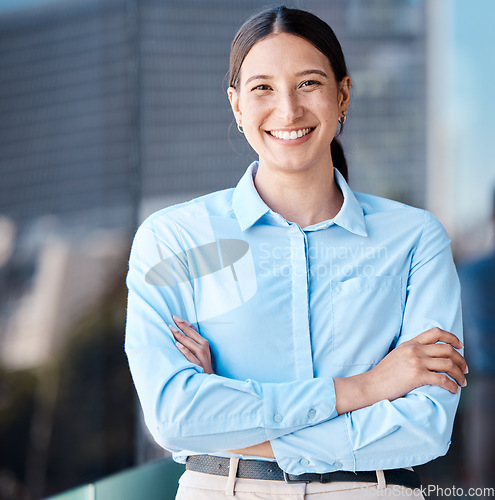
(155, 481)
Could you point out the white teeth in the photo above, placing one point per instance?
(279, 134)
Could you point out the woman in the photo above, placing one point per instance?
(289, 336)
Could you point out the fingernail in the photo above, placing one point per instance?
(464, 383)
(180, 320)
(179, 345)
(467, 369)
(173, 328)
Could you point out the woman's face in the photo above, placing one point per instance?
(289, 103)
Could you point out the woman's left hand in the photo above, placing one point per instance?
(191, 344)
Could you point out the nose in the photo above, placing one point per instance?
(289, 107)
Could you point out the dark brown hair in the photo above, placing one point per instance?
(299, 23)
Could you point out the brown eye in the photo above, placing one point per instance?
(309, 83)
(261, 87)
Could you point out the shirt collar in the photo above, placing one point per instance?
(351, 215)
(249, 207)
(246, 202)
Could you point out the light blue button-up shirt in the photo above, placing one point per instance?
(285, 310)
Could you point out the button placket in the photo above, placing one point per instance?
(300, 303)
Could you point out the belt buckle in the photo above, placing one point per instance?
(293, 479)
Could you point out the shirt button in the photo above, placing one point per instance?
(278, 418)
(338, 465)
(304, 462)
(311, 413)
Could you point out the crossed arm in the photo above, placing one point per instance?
(414, 363)
(399, 413)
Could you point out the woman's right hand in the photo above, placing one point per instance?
(417, 362)
(192, 345)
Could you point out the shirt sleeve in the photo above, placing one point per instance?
(410, 430)
(184, 408)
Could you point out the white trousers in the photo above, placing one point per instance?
(200, 486)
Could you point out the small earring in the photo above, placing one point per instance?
(239, 127)
(342, 118)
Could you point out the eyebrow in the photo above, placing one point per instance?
(312, 72)
(302, 73)
(257, 77)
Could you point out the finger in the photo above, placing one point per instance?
(446, 365)
(181, 337)
(447, 351)
(438, 335)
(191, 351)
(187, 353)
(199, 351)
(189, 330)
(442, 380)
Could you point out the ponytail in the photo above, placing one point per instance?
(338, 158)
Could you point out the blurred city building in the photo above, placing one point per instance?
(459, 122)
(111, 109)
(108, 102)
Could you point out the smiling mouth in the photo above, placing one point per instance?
(293, 134)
